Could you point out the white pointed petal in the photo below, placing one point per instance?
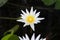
(22, 15)
(32, 26)
(31, 11)
(41, 39)
(24, 38)
(35, 11)
(37, 14)
(27, 11)
(36, 22)
(25, 24)
(38, 37)
(21, 20)
(20, 38)
(27, 37)
(23, 12)
(33, 37)
(40, 18)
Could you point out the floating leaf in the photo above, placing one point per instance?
(14, 37)
(2, 2)
(48, 2)
(10, 37)
(57, 5)
(13, 30)
(6, 37)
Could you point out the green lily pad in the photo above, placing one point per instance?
(57, 5)
(48, 2)
(12, 30)
(10, 37)
(2, 2)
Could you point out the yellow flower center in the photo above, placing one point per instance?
(30, 19)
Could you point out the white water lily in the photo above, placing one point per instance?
(32, 38)
(30, 18)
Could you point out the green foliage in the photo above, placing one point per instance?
(48, 2)
(2, 2)
(10, 37)
(6, 37)
(57, 5)
(12, 30)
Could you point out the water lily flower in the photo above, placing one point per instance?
(30, 18)
(32, 38)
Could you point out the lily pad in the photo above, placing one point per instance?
(57, 5)
(10, 37)
(48, 2)
(2, 2)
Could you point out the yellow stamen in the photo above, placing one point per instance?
(30, 19)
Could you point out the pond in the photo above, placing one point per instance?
(48, 28)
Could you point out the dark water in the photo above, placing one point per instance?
(49, 25)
